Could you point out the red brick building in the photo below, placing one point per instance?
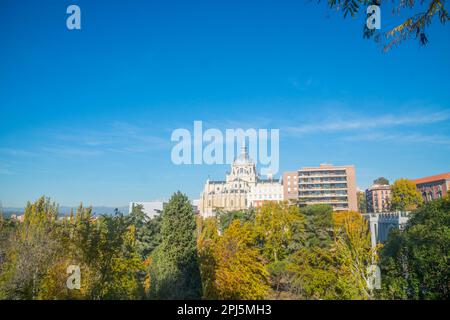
(433, 187)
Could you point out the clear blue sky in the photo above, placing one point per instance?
(87, 115)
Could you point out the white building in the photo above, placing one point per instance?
(241, 187)
(264, 191)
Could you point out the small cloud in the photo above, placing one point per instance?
(404, 138)
(364, 123)
(117, 137)
(68, 151)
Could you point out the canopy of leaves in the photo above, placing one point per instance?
(240, 272)
(42, 247)
(362, 201)
(415, 262)
(279, 251)
(276, 225)
(414, 26)
(381, 181)
(318, 226)
(175, 268)
(225, 218)
(404, 195)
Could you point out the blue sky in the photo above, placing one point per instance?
(87, 115)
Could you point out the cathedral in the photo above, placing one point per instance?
(235, 192)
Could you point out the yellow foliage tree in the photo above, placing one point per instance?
(207, 238)
(354, 254)
(405, 195)
(240, 273)
(275, 225)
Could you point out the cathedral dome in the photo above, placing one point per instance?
(243, 157)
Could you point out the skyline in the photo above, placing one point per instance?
(87, 115)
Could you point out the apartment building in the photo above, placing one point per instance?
(378, 198)
(290, 185)
(328, 184)
(433, 187)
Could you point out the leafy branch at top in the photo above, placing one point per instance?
(413, 26)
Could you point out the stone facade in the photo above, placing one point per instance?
(381, 224)
(238, 191)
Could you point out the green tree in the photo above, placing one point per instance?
(404, 195)
(105, 249)
(42, 247)
(336, 269)
(280, 279)
(33, 250)
(118, 264)
(381, 181)
(362, 201)
(148, 230)
(415, 262)
(313, 274)
(225, 218)
(275, 227)
(318, 225)
(175, 269)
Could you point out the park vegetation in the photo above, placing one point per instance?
(276, 251)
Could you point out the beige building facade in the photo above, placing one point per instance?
(328, 184)
(241, 189)
(290, 185)
(378, 198)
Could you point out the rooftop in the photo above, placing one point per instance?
(243, 157)
(325, 166)
(379, 186)
(437, 177)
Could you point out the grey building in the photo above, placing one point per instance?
(381, 224)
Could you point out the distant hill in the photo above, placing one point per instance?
(65, 210)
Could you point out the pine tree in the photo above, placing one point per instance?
(175, 269)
